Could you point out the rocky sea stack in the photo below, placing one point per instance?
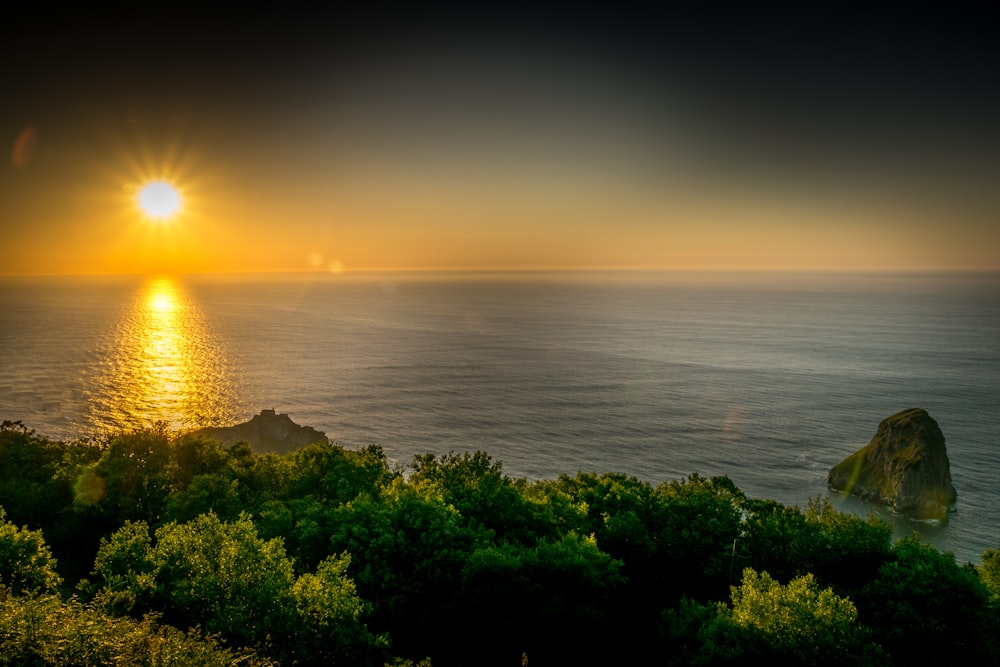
(266, 432)
(904, 466)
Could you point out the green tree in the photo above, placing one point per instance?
(553, 600)
(777, 539)
(846, 550)
(926, 609)
(134, 475)
(332, 612)
(840, 549)
(32, 491)
(223, 577)
(191, 456)
(989, 571)
(476, 486)
(695, 525)
(407, 551)
(330, 474)
(46, 630)
(263, 478)
(26, 564)
(616, 508)
(124, 572)
(207, 492)
(786, 624)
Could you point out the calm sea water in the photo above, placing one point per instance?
(768, 378)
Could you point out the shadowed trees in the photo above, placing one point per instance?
(407, 550)
(925, 608)
(327, 555)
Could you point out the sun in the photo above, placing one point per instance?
(159, 200)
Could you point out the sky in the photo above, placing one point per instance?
(495, 139)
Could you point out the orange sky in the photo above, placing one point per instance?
(497, 153)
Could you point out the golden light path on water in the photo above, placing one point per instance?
(161, 366)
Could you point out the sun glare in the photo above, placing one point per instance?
(159, 200)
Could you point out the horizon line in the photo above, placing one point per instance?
(309, 272)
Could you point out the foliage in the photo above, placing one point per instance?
(488, 500)
(797, 620)
(927, 609)
(552, 600)
(45, 630)
(847, 550)
(326, 555)
(696, 526)
(989, 571)
(28, 466)
(222, 576)
(333, 475)
(838, 548)
(407, 549)
(26, 564)
(772, 623)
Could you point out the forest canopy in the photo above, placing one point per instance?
(154, 548)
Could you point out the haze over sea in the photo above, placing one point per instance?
(769, 378)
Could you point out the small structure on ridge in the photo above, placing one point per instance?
(266, 433)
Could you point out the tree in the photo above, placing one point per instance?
(332, 612)
(26, 564)
(407, 551)
(206, 492)
(786, 624)
(989, 571)
(617, 511)
(192, 456)
(777, 539)
(476, 486)
(124, 570)
(695, 525)
(926, 609)
(553, 600)
(46, 630)
(223, 577)
(135, 474)
(846, 550)
(331, 474)
(31, 489)
(263, 478)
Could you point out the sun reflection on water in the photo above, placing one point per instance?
(161, 366)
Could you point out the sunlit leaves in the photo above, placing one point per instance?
(798, 613)
(225, 578)
(798, 623)
(26, 564)
(989, 571)
(46, 630)
(327, 597)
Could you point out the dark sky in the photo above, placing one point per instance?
(846, 102)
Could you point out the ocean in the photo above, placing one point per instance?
(769, 378)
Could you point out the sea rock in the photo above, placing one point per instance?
(905, 466)
(267, 432)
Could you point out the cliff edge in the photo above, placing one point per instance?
(266, 433)
(905, 466)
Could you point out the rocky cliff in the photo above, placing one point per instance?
(904, 466)
(266, 432)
